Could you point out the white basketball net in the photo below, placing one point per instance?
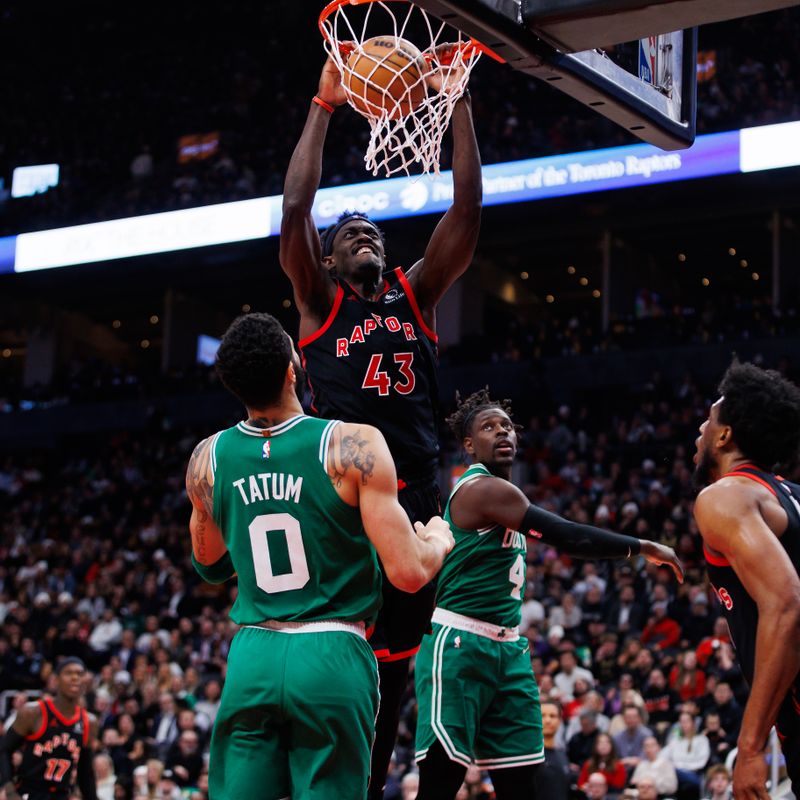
(402, 137)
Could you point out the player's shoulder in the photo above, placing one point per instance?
(359, 431)
(29, 717)
(728, 501)
(481, 487)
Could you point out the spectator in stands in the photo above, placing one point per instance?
(185, 758)
(630, 741)
(165, 724)
(661, 630)
(626, 614)
(591, 701)
(709, 645)
(719, 740)
(567, 614)
(596, 787)
(689, 752)
(208, 706)
(569, 673)
(647, 789)
(604, 759)
(656, 767)
(718, 783)
(579, 746)
(729, 711)
(660, 701)
(552, 777)
(105, 779)
(686, 677)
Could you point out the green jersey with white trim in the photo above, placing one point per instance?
(484, 574)
(299, 550)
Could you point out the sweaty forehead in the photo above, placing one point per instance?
(357, 225)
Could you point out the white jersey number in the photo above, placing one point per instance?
(261, 528)
(517, 577)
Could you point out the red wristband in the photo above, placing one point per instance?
(320, 102)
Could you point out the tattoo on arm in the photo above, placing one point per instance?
(350, 450)
(200, 488)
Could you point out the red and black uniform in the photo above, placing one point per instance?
(51, 754)
(374, 361)
(742, 612)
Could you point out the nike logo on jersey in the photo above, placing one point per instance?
(371, 324)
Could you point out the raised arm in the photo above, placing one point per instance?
(300, 249)
(729, 518)
(452, 245)
(494, 501)
(209, 552)
(363, 473)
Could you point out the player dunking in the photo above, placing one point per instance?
(55, 733)
(368, 338)
(477, 695)
(279, 500)
(749, 519)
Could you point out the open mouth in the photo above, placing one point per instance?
(364, 248)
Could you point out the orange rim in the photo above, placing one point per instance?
(334, 5)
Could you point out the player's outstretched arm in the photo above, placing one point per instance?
(300, 249)
(363, 473)
(494, 501)
(209, 552)
(452, 245)
(730, 521)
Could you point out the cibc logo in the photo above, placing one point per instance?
(365, 202)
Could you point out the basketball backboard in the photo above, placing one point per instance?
(562, 43)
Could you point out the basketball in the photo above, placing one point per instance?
(384, 74)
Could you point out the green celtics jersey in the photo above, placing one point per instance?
(299, 550)
(484, 574)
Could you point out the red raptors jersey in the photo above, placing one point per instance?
(375, 362)
(51, 754)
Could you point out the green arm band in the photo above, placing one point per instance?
(218, 572)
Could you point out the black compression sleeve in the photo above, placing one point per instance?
(8, 744)
(576, 539)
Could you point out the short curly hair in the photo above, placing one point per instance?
(461, 419)
(253, 358)
(762, 409)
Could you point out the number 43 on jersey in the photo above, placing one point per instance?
(377, 378)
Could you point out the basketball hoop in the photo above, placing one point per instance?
(407, 124)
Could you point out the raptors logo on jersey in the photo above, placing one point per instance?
(53, 752)
(384, 348)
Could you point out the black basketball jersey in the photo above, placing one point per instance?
(740, 609)
(51, 754)
(375, 362)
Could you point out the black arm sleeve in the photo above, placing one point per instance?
(576, 539)
(86, 779)
(8, 744)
